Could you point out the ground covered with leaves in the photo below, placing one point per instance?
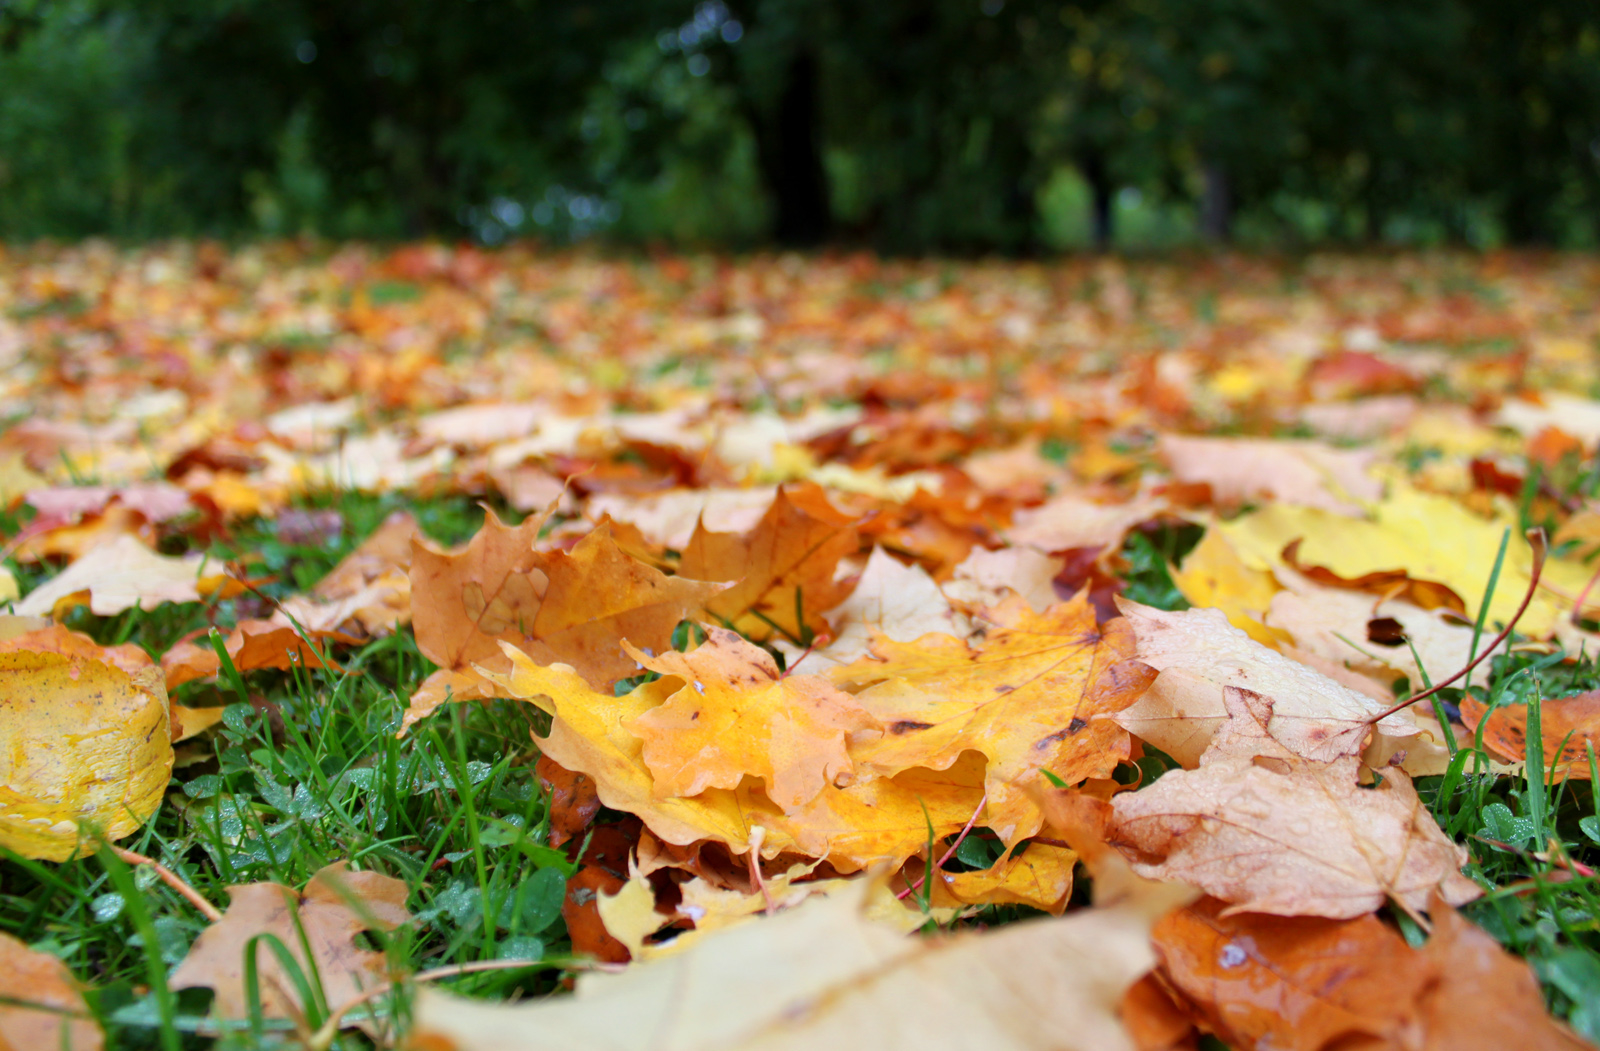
(797, 651)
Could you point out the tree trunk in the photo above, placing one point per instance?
(1093, 166)
(789, 150)
(1216, 203)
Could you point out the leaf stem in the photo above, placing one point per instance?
(1536, 538)
(171, 879)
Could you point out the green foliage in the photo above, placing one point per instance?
(914, 126)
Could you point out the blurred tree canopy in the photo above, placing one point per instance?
(905, 125)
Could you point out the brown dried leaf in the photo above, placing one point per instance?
(1570, 727)
(1268, 830)
(41, 1003)
(1198, 653)
(337, 904)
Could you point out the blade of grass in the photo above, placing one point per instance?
(155, 968)
(1488, 594)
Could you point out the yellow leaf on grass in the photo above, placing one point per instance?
(82, 742)
(874, 820)
(736, 716)
(1027, 698)
(1427, 538)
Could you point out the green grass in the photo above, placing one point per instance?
(306, 770)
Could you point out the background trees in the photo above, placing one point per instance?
(908, 125)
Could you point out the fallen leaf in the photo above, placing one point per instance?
(1268, 830)
(1198, 654)
(574, 607)
(123, 574)
(821, 975)
(85, 748)
(603, 870)
(251, 645)
(1070, 521)
(735, 716)
(985, 576)
(1153, 1019)
(632, 915)
(573, 801)
(1394, 636)
(1214, 576)
(1569, 726)
(1414, 537)
(783, 570)
(335, 906)
(1039, 877)
(669, 518)
(1030, 697)
(1312, 984)
(41, 1003)
(1485, 997)
(1244, 470)
(899, 601)
(873, 820)
(368, 593)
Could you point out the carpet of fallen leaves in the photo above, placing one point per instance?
(819, 568)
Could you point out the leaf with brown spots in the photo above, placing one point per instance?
(783, 570)
(1027, 698)
(1570, 727)
(1199, 653)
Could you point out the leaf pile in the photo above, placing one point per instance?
(849, 597)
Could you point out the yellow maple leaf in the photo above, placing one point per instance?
(737, 716)
(1426, 538)
(880, 819)
(1026, 699)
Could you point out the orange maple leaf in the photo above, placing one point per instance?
(575, 608)
(784, 568)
